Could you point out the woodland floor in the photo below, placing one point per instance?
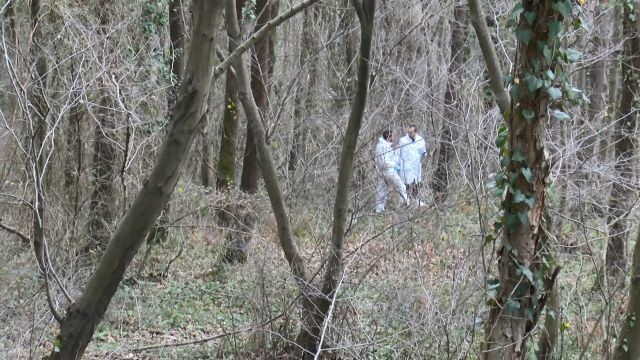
(413, 290)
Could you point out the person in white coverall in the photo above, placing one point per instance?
(388, 172)
(412, 149)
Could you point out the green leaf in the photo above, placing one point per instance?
(493, 283)
(497, 225)
(547, 54)
(530, 16)
(511, 23)
(577, 23)
(554, 27)
(513, 305)
(564, 7)
(525, 270)
(519, 197)
(535, 63)
(526, 172)
(522, 216)
(550, 74)
(507, 79)
(488, 238)
(530, 201)
(517, 156)
(515, 91)
(491, 184)
(528, 115)
(512, 178)
(510, 220)
(524, 35)
(554, 92)
(533, 81)
(560, 115)
(517, 9)
(573, 55)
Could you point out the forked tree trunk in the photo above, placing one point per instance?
(316, 314)
(83, 317)
(304, 99)
(101, 209)
(316, 305)
(513, 312)
(259, 80)
(629, 347)
(624, 148)
(229, 137)
(442, 172)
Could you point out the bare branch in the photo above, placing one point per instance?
(25, 239)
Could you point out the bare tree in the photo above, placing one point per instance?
(440, 183)
(624, 147)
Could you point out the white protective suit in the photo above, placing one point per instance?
(388, 177)
(410, 156)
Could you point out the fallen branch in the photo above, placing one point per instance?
(25, 239)
(207, 339)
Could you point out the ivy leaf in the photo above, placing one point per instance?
(526, 172)
(547, 54)
(533, 81)
(510, 220)
(577, 23)
(573, 55)
(564, 7)
(530, 201)
(530, 16)
(512, 23)
(488, 238)
(491, 184)
(515, 91)
(525, 270)
(522, 216)
(554, 27)
(524, 35)
(497, 225)
(517, 156)
(519, 197)
(507, 78)
(517, 9)
(528, 115)
(535, 63)
(493, 284)
(554, 92)
(550, 74)
(560, 115)
(513, 305)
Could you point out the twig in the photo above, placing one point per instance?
(18, 233)
(259, 34)
(207, 339)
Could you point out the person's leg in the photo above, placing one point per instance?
(381, 193)
(396, 182)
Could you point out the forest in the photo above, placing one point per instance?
(227, 179)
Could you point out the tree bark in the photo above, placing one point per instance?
(304, 99)
(316, 315)
(85, 314)
(629, 347)
(513, 313)
(614, 83)
(624, 149)
(549, 336)
(229, 138)
(104, 151)
(440, 184)
(259, 80)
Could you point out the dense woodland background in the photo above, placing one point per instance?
(157, 157)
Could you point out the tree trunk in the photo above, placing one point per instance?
(598, 83)
(304, 99)
(259, 80)
(549, 336)
(629, 347)
(614, 83)
(624, 149)
(229, 138)
(104, 151)
(442, 172)
(515, 309)
(316, 316)
(83, 317)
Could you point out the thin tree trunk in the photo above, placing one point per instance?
(598, 83)
(549, 336)
(229, 138)
(83, 317)
(629, 347)
(624, 150)
(259, 80)
(316, 314)
(104, 152)
(304, 99)
(442, 172)
(614, 84)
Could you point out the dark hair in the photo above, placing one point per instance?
(414, 127)
(386, 134)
